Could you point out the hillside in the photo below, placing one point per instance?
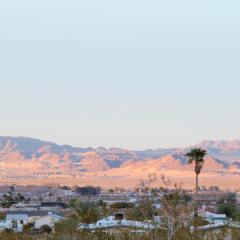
(27, 157)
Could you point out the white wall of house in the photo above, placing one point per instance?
(49, 220)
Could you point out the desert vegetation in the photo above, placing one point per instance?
(177, 217)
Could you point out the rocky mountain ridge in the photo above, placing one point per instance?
(28, 156)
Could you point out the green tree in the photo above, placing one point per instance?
(2, 216)
(73, 202)
(86, 212)
(227, 209)
(66, 230)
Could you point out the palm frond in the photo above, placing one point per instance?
(196, 155)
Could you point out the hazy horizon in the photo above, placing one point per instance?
(131, 149)
(136, 74)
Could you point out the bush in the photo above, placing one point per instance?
(46, 229)
(227, 209)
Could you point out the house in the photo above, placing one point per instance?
(215, 218)
(50, 220)
(88, 191)
(19, 218)
(215, 221)
(53, 205)
(17, 221)
(110, 223)
(5, 225)
(34, 215)
(23, 207)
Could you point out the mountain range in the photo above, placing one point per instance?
(28, 157)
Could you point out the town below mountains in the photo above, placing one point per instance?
(105, 196)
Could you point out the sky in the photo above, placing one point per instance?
(133, 74)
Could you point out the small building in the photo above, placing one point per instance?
(50, 220)
(112, 223)
(51, 205)
(215, 218)
(17, 221)
(19, 218)
(5, 225)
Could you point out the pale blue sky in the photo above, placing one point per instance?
(129, 73)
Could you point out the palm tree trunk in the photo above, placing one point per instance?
(196, 206)
(196, 213)
(197, 186)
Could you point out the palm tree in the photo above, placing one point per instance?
(196, 156)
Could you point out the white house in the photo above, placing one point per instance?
(215, 218)
(5, 225)
(49, 220)
(111, 222)
(20, 218)
(17, 221)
